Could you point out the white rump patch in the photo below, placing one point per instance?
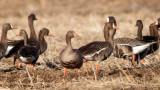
(139, 49)
(23, 59)
(26, 59)
(9, 48)
(88, 57)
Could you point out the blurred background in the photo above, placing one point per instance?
(73, 14)
(18, 8)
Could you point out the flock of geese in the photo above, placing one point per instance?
(28, 50)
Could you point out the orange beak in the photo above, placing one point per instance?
(154, 25)
(50, 35)
(76, 35)
(14, 27)
(17, 35)
(105, 22)
(115, 27)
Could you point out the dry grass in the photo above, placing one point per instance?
(86, 19)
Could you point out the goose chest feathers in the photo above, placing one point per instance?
(71, 58)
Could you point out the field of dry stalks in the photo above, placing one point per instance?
(86, 18)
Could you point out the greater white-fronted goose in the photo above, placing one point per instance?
(70, 58)
(43, 44)
(27, 54)
(32, 41)
(132, 47)
(100, 50)
(153, 38)
(33, 35)
(154, 27)
(3, 42)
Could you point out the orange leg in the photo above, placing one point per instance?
(31, 67)
(142, 61)
(133, 58)
(86, 65)
(97, 67)
(124, 61)
(64, 72)
(78, 71)
(18, 65)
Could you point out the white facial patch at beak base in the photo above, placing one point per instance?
(113, 25)
(156, 22)
(11, 26)
(107, 19)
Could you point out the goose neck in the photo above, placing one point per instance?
(32, 30)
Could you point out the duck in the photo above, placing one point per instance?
(100, 50)
(43, 44)
(70, 58)
(27, 54)
(32, 41)
(3, 42)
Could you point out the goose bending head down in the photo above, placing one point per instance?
(70, 58)
(27, 54)
(3, 42)
(100, 50)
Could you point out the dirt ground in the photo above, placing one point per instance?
(86, 18)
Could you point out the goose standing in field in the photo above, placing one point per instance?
(3, 42)
(43, 44)
(125, 47)
(27, 54)
(32, 41)
(154, 29)
(33, 36)
(70, 58)
(153, 38)
(100, 50)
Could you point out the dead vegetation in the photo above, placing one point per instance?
(86, 19)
